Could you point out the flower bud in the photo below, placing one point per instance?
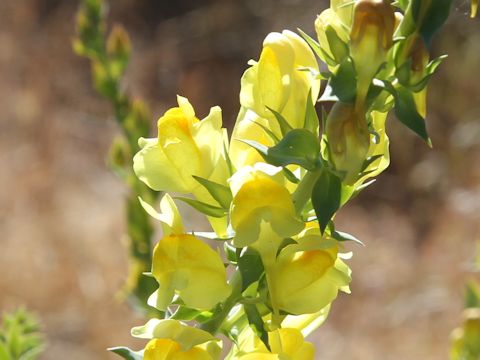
(371, 35)
(348, 140)
(118, 43)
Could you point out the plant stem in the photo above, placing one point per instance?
(304, 190)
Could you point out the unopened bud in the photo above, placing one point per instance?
(371, 35)
(118, 43)
(348, 140)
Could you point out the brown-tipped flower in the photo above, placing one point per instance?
(348, 140)
(371, 34)
(118, 43)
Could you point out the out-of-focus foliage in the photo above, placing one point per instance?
(109, 57)
(20, 336)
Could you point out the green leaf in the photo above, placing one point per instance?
(339, 48)
(326, 197)
(402, 4)
(269, 132)
(227, 159)
(317, 49)
(230, 253)
(220, 193)
(250, 266)
(204, 208)
(343, 236)
(311, 118)
(256, 323)
(406, 111)
(127, 353)
(285, 127)
(290, 176)
(370, 161)
(299, 147)
(189, 314)
(344, 83)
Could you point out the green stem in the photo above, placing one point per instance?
(304, 190)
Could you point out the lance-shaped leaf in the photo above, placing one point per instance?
(299, 147)
(406, 111)
(204, 208)
(338, 47)
(343, 236)
(311, 118)
(344, 82)
(326, 197)
(127, 353)
(250, 266)
(219, 192)
(256, 323)
(285, 127)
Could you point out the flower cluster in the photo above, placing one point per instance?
(271, 191)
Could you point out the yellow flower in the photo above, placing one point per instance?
(262, 212)
(166, 349)
(285, 344)
(174, 340)
(185, 146)
(276, 82)
(185, 265)
(306, 323)
(348, 139)
(307, 276)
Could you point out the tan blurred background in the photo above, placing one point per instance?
(61, 218)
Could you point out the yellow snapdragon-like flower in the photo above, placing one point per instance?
(285, 344)
(166, 349)
(184, 265)
(185, 146)
(275, 81)
(307, 276)
(262, 211)
(174, 340)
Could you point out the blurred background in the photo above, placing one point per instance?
(61, 209)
